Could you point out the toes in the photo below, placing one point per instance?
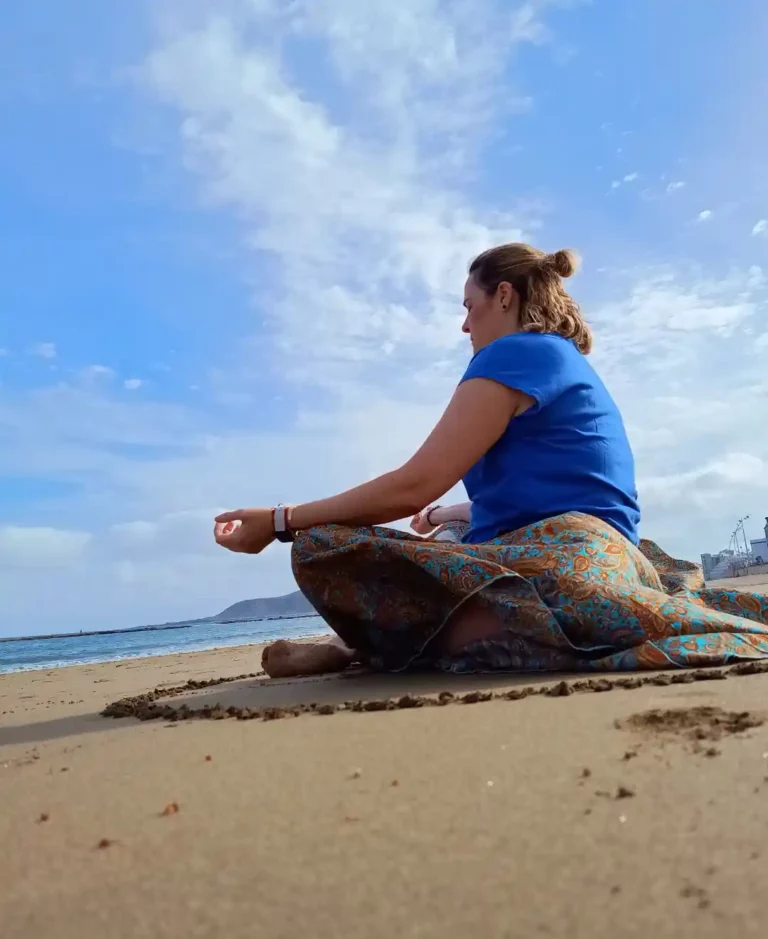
(273, 652)
(283, 659)
(276, 659)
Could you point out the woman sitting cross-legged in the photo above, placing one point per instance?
(550, 575)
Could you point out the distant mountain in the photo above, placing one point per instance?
(292, 604)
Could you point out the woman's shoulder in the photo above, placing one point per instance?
(537, 340)
(547, 349)
(530, 360)
(542, 365)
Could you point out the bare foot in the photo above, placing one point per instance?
(283, 659)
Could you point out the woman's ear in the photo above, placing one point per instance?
(505, 295)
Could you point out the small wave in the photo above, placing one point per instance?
(46, 654)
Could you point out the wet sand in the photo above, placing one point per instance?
(375, 806)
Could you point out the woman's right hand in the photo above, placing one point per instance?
(420, 523)
(246, 531)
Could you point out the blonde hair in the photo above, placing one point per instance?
(537, 277)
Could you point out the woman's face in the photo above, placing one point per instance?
(488, 315)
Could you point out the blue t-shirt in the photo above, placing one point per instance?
(568, 453)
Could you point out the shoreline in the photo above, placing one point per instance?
(90, 650)
(143, 658)
(186, 624)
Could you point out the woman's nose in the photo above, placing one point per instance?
(465, 326)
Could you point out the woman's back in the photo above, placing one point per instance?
(568, 453)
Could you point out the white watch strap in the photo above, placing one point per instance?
(281, 518)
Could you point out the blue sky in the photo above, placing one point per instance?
(234, 237)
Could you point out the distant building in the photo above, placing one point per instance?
(729, 563)
(759, 547)
(717, 565)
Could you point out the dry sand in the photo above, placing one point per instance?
(758, 582)
(552, 814)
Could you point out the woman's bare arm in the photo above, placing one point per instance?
(478, 414)
(451, 513)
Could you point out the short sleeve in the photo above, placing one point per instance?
(536, 364)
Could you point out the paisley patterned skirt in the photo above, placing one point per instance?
(571, 593)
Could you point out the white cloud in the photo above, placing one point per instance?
(676, 186)
(132, 384)
(761, 227)
(185, 531)
(45, 350)
(704, 216)
(710, 490)
(246, 129)
(629, 178)
(674, 348)
(41, 547)
(138, 533)
(659, 303)
(96, 373)
(106, 584)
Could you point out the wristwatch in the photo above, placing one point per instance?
(280, 524)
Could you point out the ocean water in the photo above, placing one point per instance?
(20, 655)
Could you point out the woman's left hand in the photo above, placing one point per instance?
(420, 523)
(247, 531)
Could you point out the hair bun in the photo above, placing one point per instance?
(564, 262)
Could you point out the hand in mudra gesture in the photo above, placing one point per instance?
(246, 531)
(421, 524)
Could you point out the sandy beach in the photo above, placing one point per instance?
(512, 807)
